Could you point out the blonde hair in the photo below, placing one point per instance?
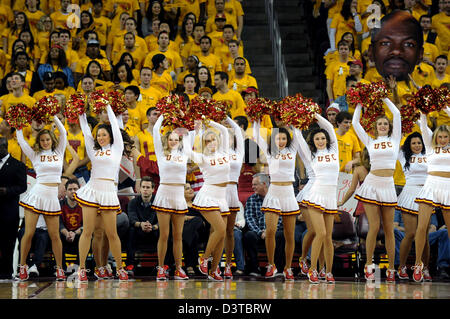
(375, 131)
(440, 128)
(37, 144)
(205, 135)
(165, 141)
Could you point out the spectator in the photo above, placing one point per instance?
(17, 95)
(331, 112)
(239, 231)
(441, 76)
(346, 20)
(208, 59)
(191, 67)
(224, 93)
(349, 149)
(161, 78)
(256, 234)
(71, 222)
(350, 82)
(337, 71)
(13, 182)
(204, 79)
(143, 222)
(241, 80)
(149, 95)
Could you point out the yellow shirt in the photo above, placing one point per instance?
(430, 51)
(337, 72)
(136, 118)
(228, 65)
(240, 85)
(146, 145)
(372, 75)
(191, 48)
(212, 62)
(83, 63)
(164, 82)
(59, 19)
(348, 146)
(441, 24)
(179, 42)
(101, 27)
(211, 23)
(341, 25)
(435, 83)
(235, 100)
(423, 74)
(6, 15)
(40, 94)
(77, 143)
(172, 57)
(150, 97)
(33, 19)
(10, 100)
(138, 56)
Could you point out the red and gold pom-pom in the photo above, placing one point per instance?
(428, 99)
(75, 106)
(201, 108)
(409, 115)
(298, 111)
(256, 108)
(44, 109)
(174, 110)
(98, 100)
(18, 116)
(117, 101)
(367, 94)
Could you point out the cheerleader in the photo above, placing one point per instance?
(280, 198)
(237, 153)
(436, 191)
(378, 190)
(47, 158)
(99, 195)
(211, 200)
(414, 164)
(169, 203)
(323, 155)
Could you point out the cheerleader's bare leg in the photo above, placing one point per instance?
(289, 231)
(177, 235)
(387, 214)
(410, 222)
(110, 226)
(229, 238)
(309, 237)
(84, 245)
(53, 232)
(164, 230)
(328, 248)
(373, 217)
(30, 228)
(423, 221)
(271, 229)
(318, 222)
(98, 242)
(216, 237)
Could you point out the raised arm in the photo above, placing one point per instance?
(257, 136)
(157, 137)
(396, 121)
(326, 125)
(427, 134)
(26, 148)
(359, 130)
(225, 136)
(62, 143)
(302, 147)
(87, 134)
(117, 135)
(240, 148)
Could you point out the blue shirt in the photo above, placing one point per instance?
(254, 218)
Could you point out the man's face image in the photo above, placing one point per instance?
(395, 49)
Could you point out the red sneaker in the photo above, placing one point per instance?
(82, 276)
(390, 275)
(329, 278)
(122, 274)
(60, 274)
(180, 274)
(109, 272)
(166, 271)
(426, 274)
(203, 265)
(369, 272)
(130, 270)
(271, 271)
(23, 272)
(304, 268)
(418, 274)
(227, 272)
(161, 273)
(323, 274)
(288, 274)
(215, 276)
(313, 276)
(100, 273)
(402, 274)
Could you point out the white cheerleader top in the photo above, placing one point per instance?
(47, 164)
(324, 163)
(438, 158)
(416, 174)
(215, 167)
(237, 154)
(172, 167)
(106, 160)
(281, 164)
(383, 151)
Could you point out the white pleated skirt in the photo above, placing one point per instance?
(321, 197)
(232, 198)
(436, 192)
(407, 199)
(280, 200)
(305, 190)
(42, 199)
(170, 199)
(211, 198)
(99, 193)
(377, 190)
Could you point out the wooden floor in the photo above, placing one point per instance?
(199, 288)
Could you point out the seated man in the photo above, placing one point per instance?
(143, 222)
(254, 218)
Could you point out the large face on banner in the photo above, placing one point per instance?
(398, 45)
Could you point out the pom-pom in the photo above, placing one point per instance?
(256, 108)
(18, 116)
(428, 99)
(174, 110)
(409, 115)
(203, 109)
(298, 111)
(44, 109)
(75, 106)
(117, 101)
(98, 100)
(368, 94)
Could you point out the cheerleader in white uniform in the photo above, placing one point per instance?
(211, 200)
(169, 203)
(99, 195)
(237, 153)
(378, 190)
(436, 191)
(280, 198)
(323, 154)
(47, 158)
(414, 164)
